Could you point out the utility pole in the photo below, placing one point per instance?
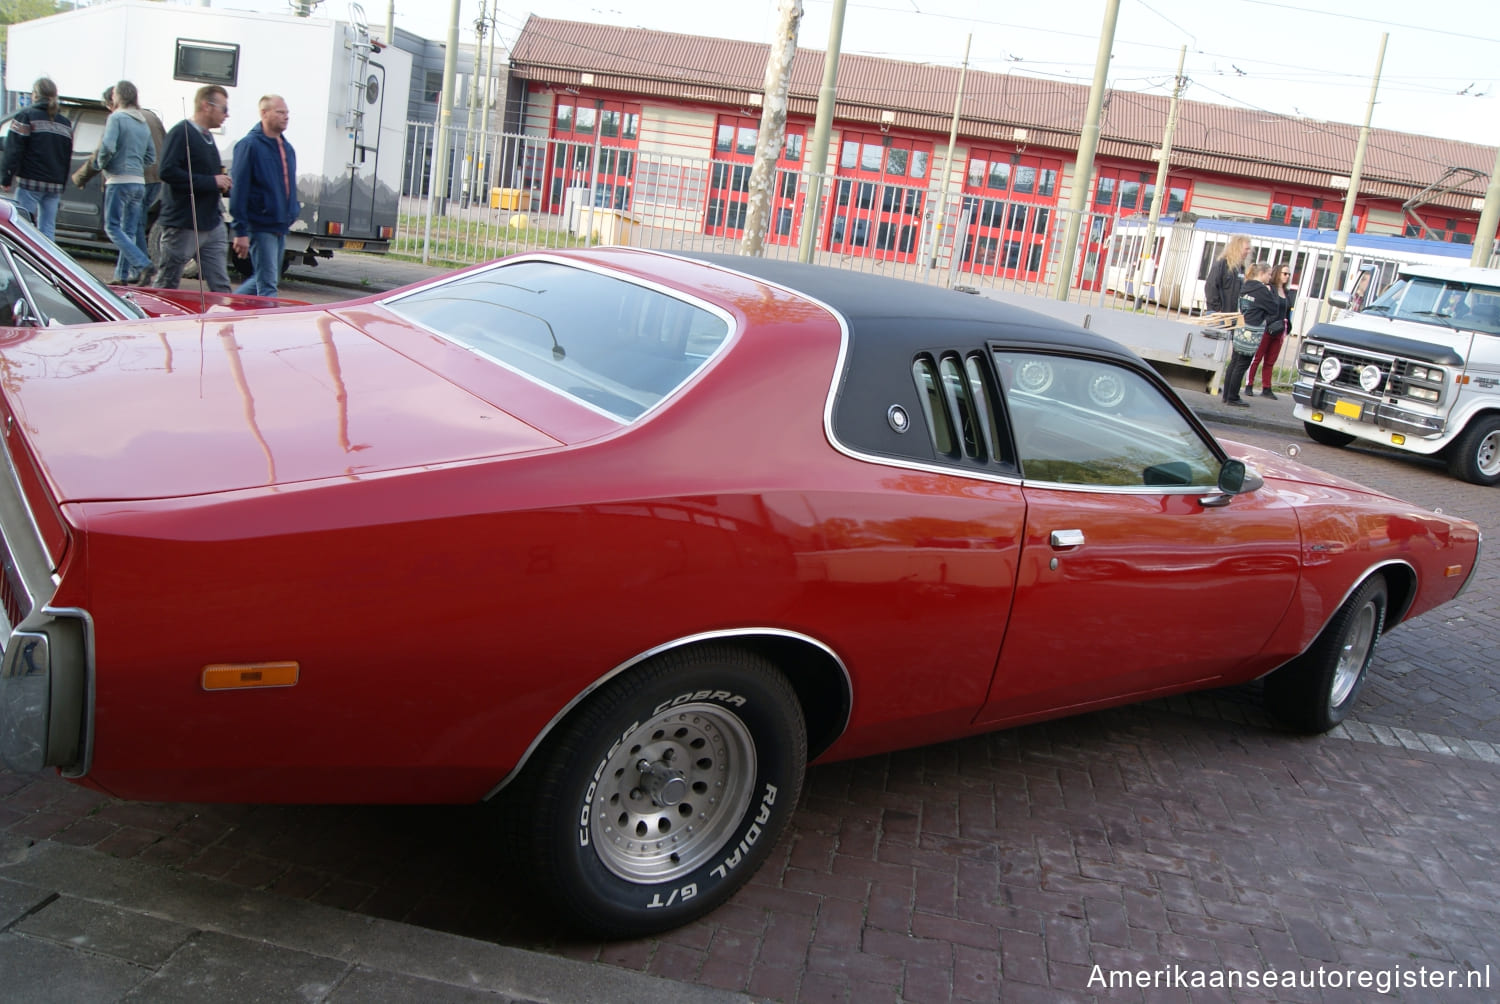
(1489, 218)
(817, 160)
(489, 64)
(946, 177)
(1088, 144)
(1148, 250)
(772, 132)
(1347, 219)
(471, 158)
(390, 23)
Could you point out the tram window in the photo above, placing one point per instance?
(1211, 250)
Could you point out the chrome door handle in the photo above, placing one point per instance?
(1061, 539)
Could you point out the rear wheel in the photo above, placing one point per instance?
(1328, 437)
(1315, 691)
(663, 793)
(1475, 455)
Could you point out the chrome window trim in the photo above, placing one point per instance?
(732, 336)
(725, 634)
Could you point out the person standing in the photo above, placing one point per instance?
(1257, 305)
(1277, 326)
(39, 155)
(1221, 290)
(193, 180)
(123, 155)
(263, 200)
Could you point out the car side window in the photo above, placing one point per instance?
(55, 305)
(11, 294)
(1082, 421)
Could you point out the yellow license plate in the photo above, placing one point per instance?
(1349, 409)
(354, 245)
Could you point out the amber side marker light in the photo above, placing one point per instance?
(1453, 570)
(247, 675)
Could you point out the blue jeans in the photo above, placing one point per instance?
(42, 206)
(124, 205)
(153, 189)
(266, 252)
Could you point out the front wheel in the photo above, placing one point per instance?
(664, 793)
(1326, 436)
(1475, 455)
(1316, 690)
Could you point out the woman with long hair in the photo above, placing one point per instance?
(39, 155)
(1278, 323)
(1221, 290)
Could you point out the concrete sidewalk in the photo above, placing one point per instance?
(79, 925)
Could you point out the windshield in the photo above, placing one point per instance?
(79, 275)
(617, 346)
(1446, 304)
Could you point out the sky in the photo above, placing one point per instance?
(1316, 58)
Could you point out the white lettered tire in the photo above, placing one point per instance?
(663, 793)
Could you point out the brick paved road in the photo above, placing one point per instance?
(1007, 866)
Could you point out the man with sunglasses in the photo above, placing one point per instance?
(193, 184)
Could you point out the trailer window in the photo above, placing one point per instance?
(207, 62)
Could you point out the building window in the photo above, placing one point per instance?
(207, 62)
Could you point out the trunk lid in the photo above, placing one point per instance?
(167, 407)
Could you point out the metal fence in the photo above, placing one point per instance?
(509, 193)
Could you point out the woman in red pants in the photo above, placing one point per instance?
(1277, 325)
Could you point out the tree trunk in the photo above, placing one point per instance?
(772, 127)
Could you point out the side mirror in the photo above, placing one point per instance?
(1340, 299)
(1236, 479)
(21, 315)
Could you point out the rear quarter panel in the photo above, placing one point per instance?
(442, 618)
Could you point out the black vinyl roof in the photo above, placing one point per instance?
(895, 322)
(879, 307)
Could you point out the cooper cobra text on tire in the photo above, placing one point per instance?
(1315, 691)
(664, 792)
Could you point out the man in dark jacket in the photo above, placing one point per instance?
(263, 201)
(193, 179)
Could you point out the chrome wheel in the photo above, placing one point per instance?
(1355, 653)
(670, 795)
(1316, 690)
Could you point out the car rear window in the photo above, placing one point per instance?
(618, 346)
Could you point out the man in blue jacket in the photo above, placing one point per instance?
(263, 198)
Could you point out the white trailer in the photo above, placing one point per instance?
(347, 97)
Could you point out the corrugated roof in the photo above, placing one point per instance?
(1233, 141)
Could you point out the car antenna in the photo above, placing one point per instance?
(187, 149)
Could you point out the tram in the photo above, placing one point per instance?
(1186, 247)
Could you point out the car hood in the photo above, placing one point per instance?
(1278, 467)
(173, 407)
